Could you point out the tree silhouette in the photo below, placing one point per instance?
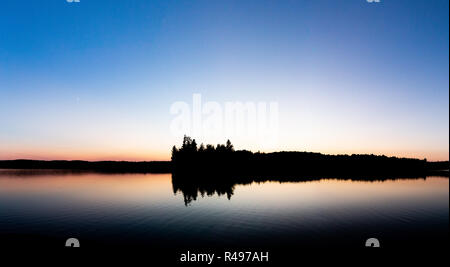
(201, 148)
(194, 145)
(229, 146)
(174, 152)
(210, 148)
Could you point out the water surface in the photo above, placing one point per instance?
(143, 210)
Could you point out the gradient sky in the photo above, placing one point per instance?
(95, 80)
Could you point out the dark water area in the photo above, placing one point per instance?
(43, 208)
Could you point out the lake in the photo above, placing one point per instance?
(46, 207)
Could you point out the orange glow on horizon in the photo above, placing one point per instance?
(88, 155)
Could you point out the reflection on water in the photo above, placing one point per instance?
(143, 209)
(192, 187)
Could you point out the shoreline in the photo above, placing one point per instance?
(432, 169)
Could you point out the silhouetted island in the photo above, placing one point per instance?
(224, 160)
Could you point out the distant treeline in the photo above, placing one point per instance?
(102, 166)
(223, 159)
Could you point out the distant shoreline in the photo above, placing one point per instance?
(432, 168)
(103, 166)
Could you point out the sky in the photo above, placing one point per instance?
(96, 80)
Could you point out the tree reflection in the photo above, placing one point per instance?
(191, 186)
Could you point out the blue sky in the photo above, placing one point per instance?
(95, 79)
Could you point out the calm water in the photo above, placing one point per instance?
(143, 209)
